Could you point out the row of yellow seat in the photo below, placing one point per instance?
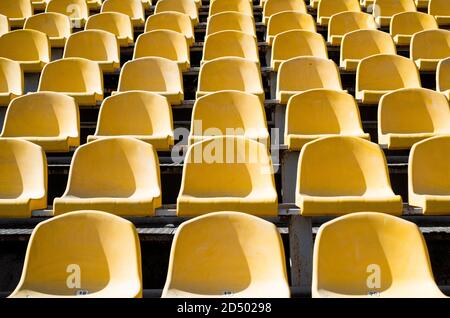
(226, 254)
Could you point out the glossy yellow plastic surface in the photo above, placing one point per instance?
(132, 8)
(227, 254)
(174, 21)
(23, 178)
(11, 81)
(230, 43)
(409, 115)
(345, 22)
(241, 6)
(296, 43)
(227, 173)
(138, 114)
(383, 10)
(380, 74)
(327, 8)
(370, 254)
(28, 47)
(153, 74)
(183, 6)
(119, 175)
(319, 113)
(287, 21)
(235, 21)
(94, 4)
(50, 120)
(117, 23)
(366, 3)
(57, 26)
(429, 47)
(405, 24)
(272, 7)
(77, 10)
(341, 174)
(4, 24)
(17, 11)
(315, 72)
(82, 254)
(440, 9)
(314, 4)
(359, 44)
(443, 77)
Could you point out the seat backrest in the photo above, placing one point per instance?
(412, 22)
(443, 75)
(327, 8)
(430, 44)
(363, 43)
(241, 6)
(51, 23)
(4, 24)
(132, 8)
(115, 22)
(25, 45)
(272, 7)
(439, 8)
(183, 6)
(388, 8)
(75, 9)
(168, 20)
(344, 22)
(290, 20)
(163, 43)
(11, 77)
(231, 20)
(16, 8)
(95, 45)
(230, 43)
(296, 43)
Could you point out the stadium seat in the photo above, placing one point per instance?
(229, 113)
(183, 6)
(77, 10)
(360, 44)
(421, 4)
(366, 3)
(147, 3)
(11, 81)
(342, 174)
(119, 175)
(23, 178)
(314, 4)
(174, 21)
(230, 21)
(296, 43)
(319, 113)
(428, 171)
(164, 43)
(272, 7)
(142, 115)
(17, 11)
(380, 74)
(230, 43)
(77, 77)
(117, 23)
(28, 47)
(227, 173)
(429, 47)
(220, 6)
(132, 8)
(230, 73)
(50, 120)
(287, 21)
(443, 77)
(345, 22)
(405, 24)
(4, 24)
(153, 74)
(383, 10)
(328, 8)
(369, 254)
(409, 115)
(315, 72)
(440, 9)
(227, 254)
(57, 26)
(101, 249)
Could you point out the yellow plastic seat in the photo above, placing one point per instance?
(428, 175)
(153, 74)
(443, 77)
(28, 47)
(328, 8)
(164, 43)
(227, 173)
(314, 4)
(11, 81)
(142, 115)
(287, 21)
(174, 21)
(182, 6)
(17, 11)
(23, 178)
(405, 24)
(319, 113)
(231, 21)
(230, 43)
(229, 113)
(383, 10)
(117, 23)
(77, 77)
(95, 45)
(50, 120)
(119, 175)
(56, 25)
(241, 6)
(132, 8)
(409, 115)
(359, 44)
(227, 254)
(4, 24)
(380, 74)
(440, 9)
(370, 255)
(83, 254)
(345, 22)
(429, 47)
(296, 43)
(147, 3)
(366, 3)
(342, 174)
(315, 72)
(230, 73)
(77, 10)
(272, 7)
